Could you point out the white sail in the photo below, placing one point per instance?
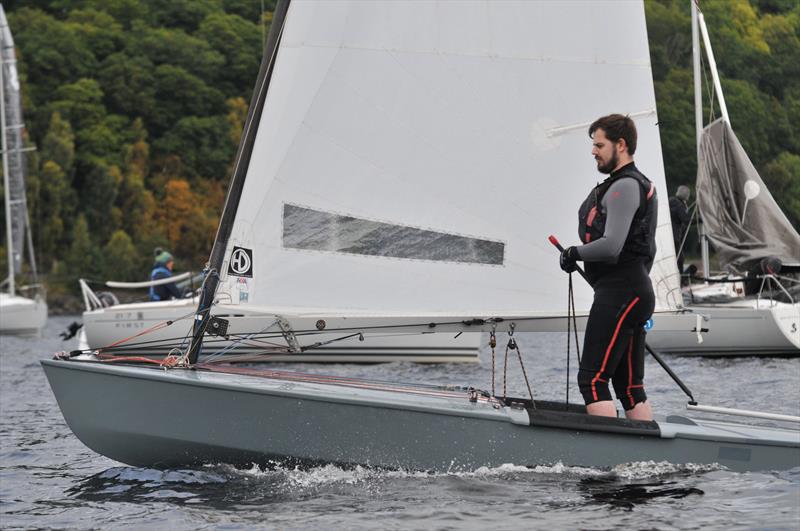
(413, 157)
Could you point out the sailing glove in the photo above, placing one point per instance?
(568, 259)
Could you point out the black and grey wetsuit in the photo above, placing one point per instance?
(617, 227)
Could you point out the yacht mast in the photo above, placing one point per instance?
(6, 188)
(712, 65)
(698, 23)
(698, 122)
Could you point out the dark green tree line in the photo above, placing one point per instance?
(136, 108)
(757, 49)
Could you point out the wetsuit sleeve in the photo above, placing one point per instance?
(621, 202)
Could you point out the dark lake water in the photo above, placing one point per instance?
(49, 480)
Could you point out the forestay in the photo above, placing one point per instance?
(413, 157)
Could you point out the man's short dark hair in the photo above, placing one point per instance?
(617, 126)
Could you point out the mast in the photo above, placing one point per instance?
(698, 22)
(6, 190)
(698, 96)
(237, 180)
(712, 65)
(698, 121)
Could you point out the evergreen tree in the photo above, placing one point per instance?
(83, 258)
(120, 258)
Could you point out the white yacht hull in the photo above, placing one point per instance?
(744, 328)
(21, 315)
(111, 326)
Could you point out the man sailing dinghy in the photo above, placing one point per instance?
(400, 158)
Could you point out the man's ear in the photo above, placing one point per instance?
(621, 145)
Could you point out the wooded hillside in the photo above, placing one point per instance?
(136, 108)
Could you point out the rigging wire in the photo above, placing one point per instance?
(686, 232)
(422, 328)
(493, 344)
(512, 343)
(709, 89)
(233, 344)
(572, 326)
(569, 309)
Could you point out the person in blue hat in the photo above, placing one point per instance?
(162, 268)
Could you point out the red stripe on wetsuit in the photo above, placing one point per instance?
(611, 346)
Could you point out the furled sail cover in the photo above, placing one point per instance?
(14, 142)
(741, 217)
(413, 157)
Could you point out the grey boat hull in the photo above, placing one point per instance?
(157, 418)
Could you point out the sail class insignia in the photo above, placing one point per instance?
(241, 262)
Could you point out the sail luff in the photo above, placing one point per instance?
(233, 196)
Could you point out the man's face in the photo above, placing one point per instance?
(604, 152)
(170, 264)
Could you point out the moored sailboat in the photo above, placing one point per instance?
(752, 308)
(18, 314)
(155, 329)
(405, 163)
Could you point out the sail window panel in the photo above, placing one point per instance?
(315, 230)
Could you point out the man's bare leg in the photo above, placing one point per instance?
(642, 411)
(604, 408)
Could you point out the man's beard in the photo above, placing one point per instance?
(610, 165)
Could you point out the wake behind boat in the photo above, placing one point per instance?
(460, 129)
